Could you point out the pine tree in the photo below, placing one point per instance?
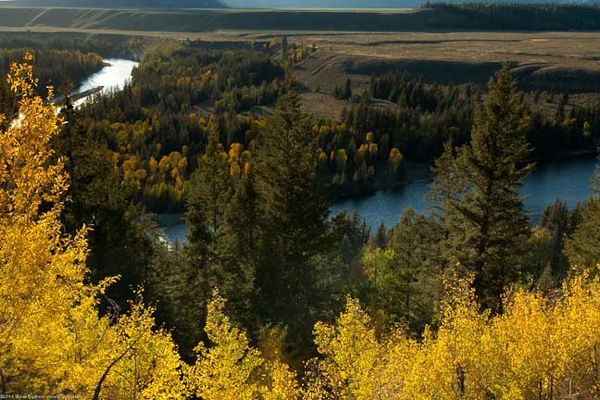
(202, 269)
(415, 241)
(239, 247)
(583, 246)
(243, 218)
(380, 239)
(211, 181)
(484, 216)
(293, 212)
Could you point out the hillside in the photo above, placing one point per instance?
(438, 18)
(300, 4)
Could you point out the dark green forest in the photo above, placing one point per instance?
(221, 134)
(539, 16)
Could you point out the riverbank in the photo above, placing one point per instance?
(570, 154)
(413, 172)
(421, 172)
(567, 179)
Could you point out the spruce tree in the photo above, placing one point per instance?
(380, 239)
(484, 218)
(206, 261)
(415, 242)
(293, 213)
(583, 246)
(212, 181)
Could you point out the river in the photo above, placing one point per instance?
(114, 75)
(568, 179)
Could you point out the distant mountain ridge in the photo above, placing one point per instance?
(264, 3)
(375, 3)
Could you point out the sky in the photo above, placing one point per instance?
(322, 3)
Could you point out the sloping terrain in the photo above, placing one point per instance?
(442, 18)
(203, 20)
(565, 62)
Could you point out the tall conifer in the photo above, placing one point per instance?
(583, 247)
(294, 214)
(484, 215)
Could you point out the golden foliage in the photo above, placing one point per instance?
(542, 348)
(356, 363)
(395, 158)
(52, 341)
(232, 369)
(150, 367)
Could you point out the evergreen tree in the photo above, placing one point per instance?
(583, 246)
(119, 245)
(243, 218)
(351, 233)
(207, 202)
(483, 211)
(212, 180)
(548, 264)
(293, 212)
(285, 48)
(380, 239)
(202, 268)
(415, 242)
(237, 250)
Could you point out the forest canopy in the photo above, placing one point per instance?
(269, 298)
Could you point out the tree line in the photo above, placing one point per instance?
(518, 17)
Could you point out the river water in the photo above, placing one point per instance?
(113, 76)
(567, 179)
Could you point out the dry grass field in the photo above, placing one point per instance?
(564, 61)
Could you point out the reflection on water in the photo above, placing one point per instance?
(568, 179)
(113, 76)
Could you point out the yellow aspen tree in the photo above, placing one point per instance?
(351, 360)
(52, 340)
(579, 322)
(446, 364)
(230, 369)
(529, 356)
(42, 290)
(147, 365)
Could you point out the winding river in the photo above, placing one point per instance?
(568, 178)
